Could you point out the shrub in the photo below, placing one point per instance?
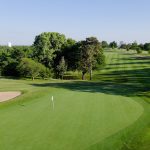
(29, 67)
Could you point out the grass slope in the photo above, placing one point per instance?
(101, 115)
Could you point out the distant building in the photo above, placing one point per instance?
(9, 44)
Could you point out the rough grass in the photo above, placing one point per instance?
(112, 112)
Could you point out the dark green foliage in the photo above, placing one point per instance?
(11, 69)
(113, 45)
(147, 46)
(4, 59)
(72, 55)
(141, 46)
(8, 64)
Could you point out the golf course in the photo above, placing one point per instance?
(111, 112)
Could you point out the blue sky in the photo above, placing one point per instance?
(119, 20)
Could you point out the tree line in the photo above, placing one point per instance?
(51, 55)
(130, 46)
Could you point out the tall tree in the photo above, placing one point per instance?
(47, 45)
(61, 68)
(72, 55)
(113, 45)
(90, 50)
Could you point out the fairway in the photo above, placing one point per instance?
(86, 114)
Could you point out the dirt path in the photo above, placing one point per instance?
(5, 96)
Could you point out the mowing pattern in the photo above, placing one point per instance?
(85, 114)
(128, 70)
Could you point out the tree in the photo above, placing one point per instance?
(29, 67)
(61, 68)
(17, 53)
(141, 46)
(123, 46)
(134, 46)
(69, 43)
(71, 53)
(8, 64)
(113, 45)
(11, 57)
(4, 58)
(90, 51)
(128, 47)
(46, 45)
(105, 44)
(147, 46)
(11, 68)
(44, 72)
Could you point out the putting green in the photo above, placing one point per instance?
(79, 119)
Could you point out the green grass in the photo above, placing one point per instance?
(109, 113)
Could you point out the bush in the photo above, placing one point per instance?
(44, 72)
(29, 67)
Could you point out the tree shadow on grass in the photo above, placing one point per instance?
(131, 63)
(142, 60)
(125, 83)
(134, 58)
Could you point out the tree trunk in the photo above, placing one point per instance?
(83, 76)
(32, 78)
(90, 74)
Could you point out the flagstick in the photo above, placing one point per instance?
(53, 102)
